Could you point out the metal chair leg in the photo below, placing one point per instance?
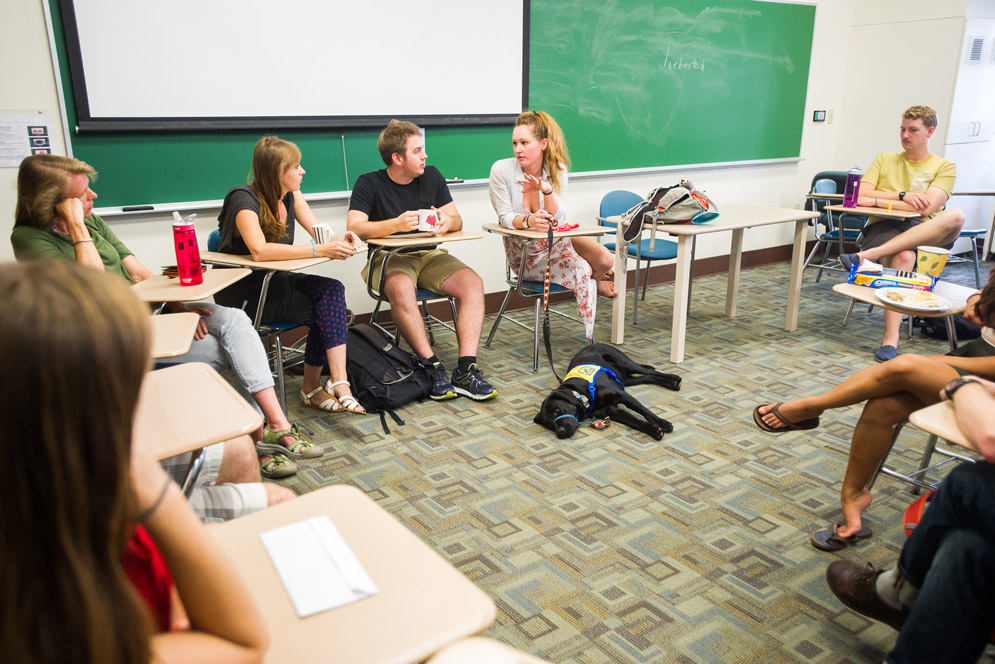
(849, 310)
(646, 279)
(280, 378)
(974, 257)
(825, 259)
(497, 321)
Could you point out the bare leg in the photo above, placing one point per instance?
(270, 405)
(277, 494)
(465, 286)
(239, 463)
(336, 365)
(601, 261)
(920, 375)
(868, 448)
(938, 231)
(312, 380)
(400, 292)
(903, 260)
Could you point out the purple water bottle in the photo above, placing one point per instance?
(851, 191)
(187, 252)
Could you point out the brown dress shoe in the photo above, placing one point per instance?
(854, 586)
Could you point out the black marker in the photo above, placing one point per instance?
(137, 208)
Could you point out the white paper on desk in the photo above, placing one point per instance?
(316, 566)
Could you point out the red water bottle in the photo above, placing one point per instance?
(187, 252)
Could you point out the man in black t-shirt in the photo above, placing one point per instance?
(386, 202)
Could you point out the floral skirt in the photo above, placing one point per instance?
(567, 269)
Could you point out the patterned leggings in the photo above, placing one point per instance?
(326, 317)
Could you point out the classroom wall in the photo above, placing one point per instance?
(27, 83)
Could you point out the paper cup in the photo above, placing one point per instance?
(427, 220)
(930, 260)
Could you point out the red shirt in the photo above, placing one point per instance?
(147, 571)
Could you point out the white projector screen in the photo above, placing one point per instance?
(237, 63)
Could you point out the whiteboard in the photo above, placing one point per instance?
(185, 59)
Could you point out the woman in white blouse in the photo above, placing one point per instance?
(528, 191)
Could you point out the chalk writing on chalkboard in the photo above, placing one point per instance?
(652, 72)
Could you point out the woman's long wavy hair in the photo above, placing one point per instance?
(555, 156)
(75, 348)
(271, 158)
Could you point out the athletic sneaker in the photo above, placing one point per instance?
(472, 384)
(442, 389)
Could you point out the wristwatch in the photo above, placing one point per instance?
(901, 195)
(956, 384)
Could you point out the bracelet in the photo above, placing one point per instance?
(158, 501)
(82, 241)
(313, 252)
(876, 203)
(889, 206)
(956, 384)
(525, 220)
(547, 193)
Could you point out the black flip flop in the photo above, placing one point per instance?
(829, 540)
(804, 425)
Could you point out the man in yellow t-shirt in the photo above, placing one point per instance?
(912, 180)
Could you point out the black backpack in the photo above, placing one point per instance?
(382, 375)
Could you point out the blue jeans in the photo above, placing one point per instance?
(950, 557)
(231, 343)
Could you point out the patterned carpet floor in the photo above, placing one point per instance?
(611, 547)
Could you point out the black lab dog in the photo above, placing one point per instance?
(594, 387)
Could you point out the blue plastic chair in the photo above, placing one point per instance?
(846, 231)
(972, 234)
(617, 202)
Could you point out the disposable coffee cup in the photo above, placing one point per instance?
(930, 260)
(427, 219)
(323, 233)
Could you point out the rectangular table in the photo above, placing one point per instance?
(423, 603)
(172, 334)
(734, 218)
(161, 288)
(188, 407)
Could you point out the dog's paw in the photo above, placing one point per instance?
(656, 431)
(666, 426)
(673, 382)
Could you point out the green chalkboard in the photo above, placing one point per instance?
(633, 83)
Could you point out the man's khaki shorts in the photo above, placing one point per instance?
(427, 268)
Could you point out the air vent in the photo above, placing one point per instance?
(975, 45)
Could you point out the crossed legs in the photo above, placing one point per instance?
(892, 390)
(899, 252)
(601, 261)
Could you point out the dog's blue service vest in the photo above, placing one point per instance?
(589, 372)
